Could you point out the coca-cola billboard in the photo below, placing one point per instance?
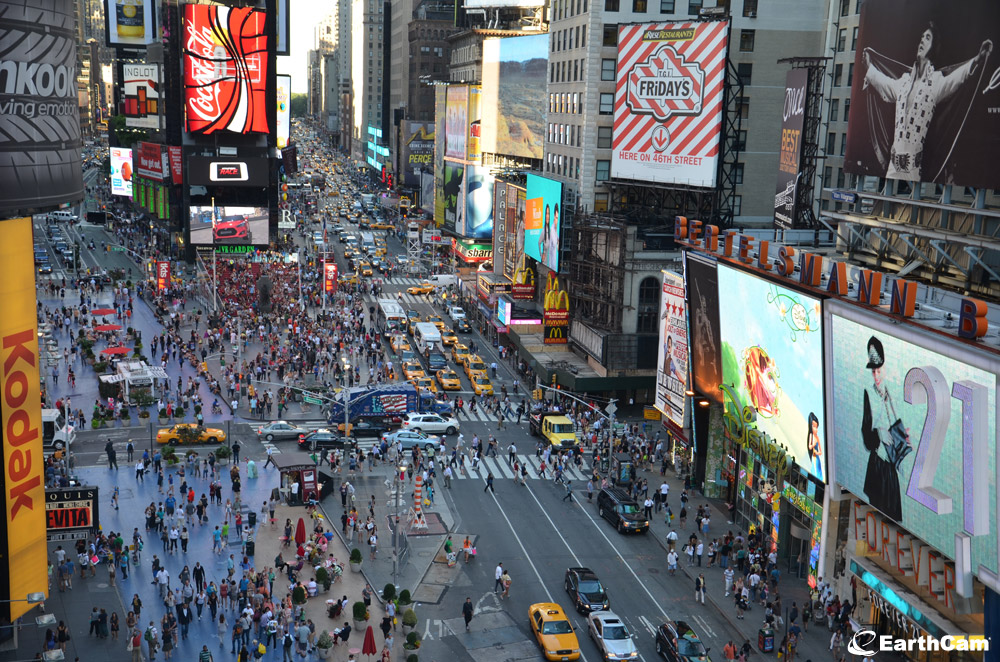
(225, 70)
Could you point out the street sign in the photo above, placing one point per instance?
(310, 400)
(611, 409)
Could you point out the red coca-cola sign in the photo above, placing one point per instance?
(225, 69)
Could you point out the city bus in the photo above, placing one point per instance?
(368, 243)
(390, 316)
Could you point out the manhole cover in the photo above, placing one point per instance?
(654, 571)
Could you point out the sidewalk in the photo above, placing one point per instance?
(813, 644)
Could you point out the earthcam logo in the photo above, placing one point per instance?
(865, 643)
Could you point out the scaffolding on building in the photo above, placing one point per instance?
(596, 268)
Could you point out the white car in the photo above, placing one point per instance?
(456, 313)
(611, 636)
(431, 423)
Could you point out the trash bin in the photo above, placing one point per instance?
(765, 640)
(251, 546)
(252, 518)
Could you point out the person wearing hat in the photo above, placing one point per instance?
(883, 434)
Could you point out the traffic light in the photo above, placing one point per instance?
(536, 394)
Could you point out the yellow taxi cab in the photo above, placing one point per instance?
(366, 269)
(448, 337)
(459, 353)
(189, 433)
(553, 632)
(349, 253)
(449, 380)
(423, 288)
(413, 370)
(436, 321)
(473, 365)
(482, 385)
(382, 226)
(348, 278)
(425, 383)
(334, 193)
(380, 250)
(399, 343)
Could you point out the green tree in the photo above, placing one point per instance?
(123, 136)
(299, 105)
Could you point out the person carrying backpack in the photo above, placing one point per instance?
(287, 645)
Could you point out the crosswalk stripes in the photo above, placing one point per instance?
(501, 469)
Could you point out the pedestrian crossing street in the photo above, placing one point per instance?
(499, 467)
(402, 297)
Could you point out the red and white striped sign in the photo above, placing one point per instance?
(669, 102)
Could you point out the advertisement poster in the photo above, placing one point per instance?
(452, 201)
(514, 104)
(284, 97)
(225, 70)
(283, 26)
(925, 104)
(542, 223)
(668, 102)
(330, 276)
(121, 171)
(40, 166)
(456, 122)
(162, 275)
(703, 313)
(772, 356)
(478, 203)
(427, 193)
(672, 359)
(555, 317)
(141, 95)
(231, 171)
(130, 23)
(499, 226)
(151, 161)
(511, 259)
(440, 104)
(474, 142)
(229, 225)
(23, 525)
(417, 150)
(790, 149)
(914, 416)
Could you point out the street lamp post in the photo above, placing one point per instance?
(400, 468)
(347, 404)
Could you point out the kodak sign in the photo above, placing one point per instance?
(556, 316)
(23, 568)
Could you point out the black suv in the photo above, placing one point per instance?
(325, 440)
(615, 505)
(677, 642)
(585, 590)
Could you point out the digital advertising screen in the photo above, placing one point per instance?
(284, 97)
(477, 222)
(130, 23)
(668, 103)
(417, 150)
(211, 226)
(543, 220)
(914, 417)
(772, 358)
(672, 359)
(121, 171)
(225, 70)
(702, 282)
(456, 121)
(141, 95)
(451, 200)
(940, 125)
(514, 104)
(793, 115)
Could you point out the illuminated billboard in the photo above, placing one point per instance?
(477, 190)
(772, 360)
(417, 150)
(130, 23)
(24, 567)
(672, 359)
(141, 95)
(450, 197)
(790, 148)
(121, 171)
(284, 113)
(229, 225)
(669, 101)
(456, 122)
(923, 96)
(225, 70)
(513, 95)
(543, 220)
(914, 416)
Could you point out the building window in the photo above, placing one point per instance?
(611, 5)
(831, 143)
(834, 110)
(850, 74)
(743, 108)
(737, 205)
(610, 35)
(741, 141)
(607, 103)
(847, 109)
(827, 176)
(738, 173)
(607, 69)
(746, 40)
(843, 143)
(845, 7)
(639, 6)
(600, 202)
(603, 171)
(745, 71)
(750, 8)
(838, 75)
(694, 7)
(841, 40)
(840, 178)
(667, 6)
(604, 137)
(648, 320)
(854, 39)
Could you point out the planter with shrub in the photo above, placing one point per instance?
(412, 642)
(299, 595)
(360, 614)
(323, 578)
(409, 621)
(356, 560)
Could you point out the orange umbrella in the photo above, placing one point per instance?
(102, 311)
(108, 327)
(115, 350)
(368, 648)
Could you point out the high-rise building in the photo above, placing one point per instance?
(366, 72)
(841, 43)
(429, 52)
(582, 59)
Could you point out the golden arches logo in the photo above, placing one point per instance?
(551, 282)
(556, 300)
(525, 277)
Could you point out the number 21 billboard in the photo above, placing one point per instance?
(914, 417)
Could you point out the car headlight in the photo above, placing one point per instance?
(634, 654)
(626, 524)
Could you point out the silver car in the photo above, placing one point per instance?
(280, 430)
(611, 636)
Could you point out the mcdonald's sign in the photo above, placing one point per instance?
(556, 335)
(556, 313)
(523, 287)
